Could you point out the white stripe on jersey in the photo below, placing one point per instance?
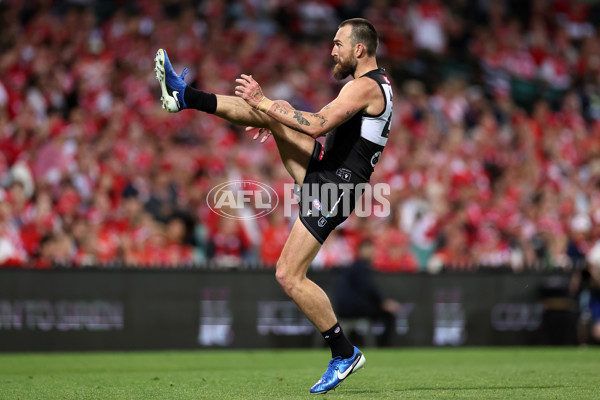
(372, 127)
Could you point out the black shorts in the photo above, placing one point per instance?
(325, 199)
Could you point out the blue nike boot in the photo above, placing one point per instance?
(338, 370)
(171, 84)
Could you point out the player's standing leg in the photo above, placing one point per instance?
(300, 249)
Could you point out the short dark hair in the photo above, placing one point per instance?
(363, 32)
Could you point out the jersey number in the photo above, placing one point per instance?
(386, 128)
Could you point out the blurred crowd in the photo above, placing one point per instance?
(493, 158)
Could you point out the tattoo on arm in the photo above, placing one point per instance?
(280, 109)
(322, 118)
(349, 114)
(300, 118)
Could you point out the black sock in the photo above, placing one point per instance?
(200, 100)
(337, 341)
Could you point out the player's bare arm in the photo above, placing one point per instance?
(358, 95)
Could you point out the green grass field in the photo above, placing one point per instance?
(468, 373)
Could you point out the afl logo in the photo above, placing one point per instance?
(242, 199)
(375, 158)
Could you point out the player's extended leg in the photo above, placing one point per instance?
(300, 249)
(294, 147)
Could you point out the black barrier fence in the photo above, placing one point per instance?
(186, 309)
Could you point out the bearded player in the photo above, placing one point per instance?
(356, 124)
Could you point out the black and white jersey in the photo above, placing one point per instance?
(353, 148)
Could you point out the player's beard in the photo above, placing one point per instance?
(344, 68)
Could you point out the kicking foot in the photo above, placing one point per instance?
(172, 85)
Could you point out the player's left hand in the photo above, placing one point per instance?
(249, 90)
(261, 131)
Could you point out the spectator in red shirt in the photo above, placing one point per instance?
(273, 239)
